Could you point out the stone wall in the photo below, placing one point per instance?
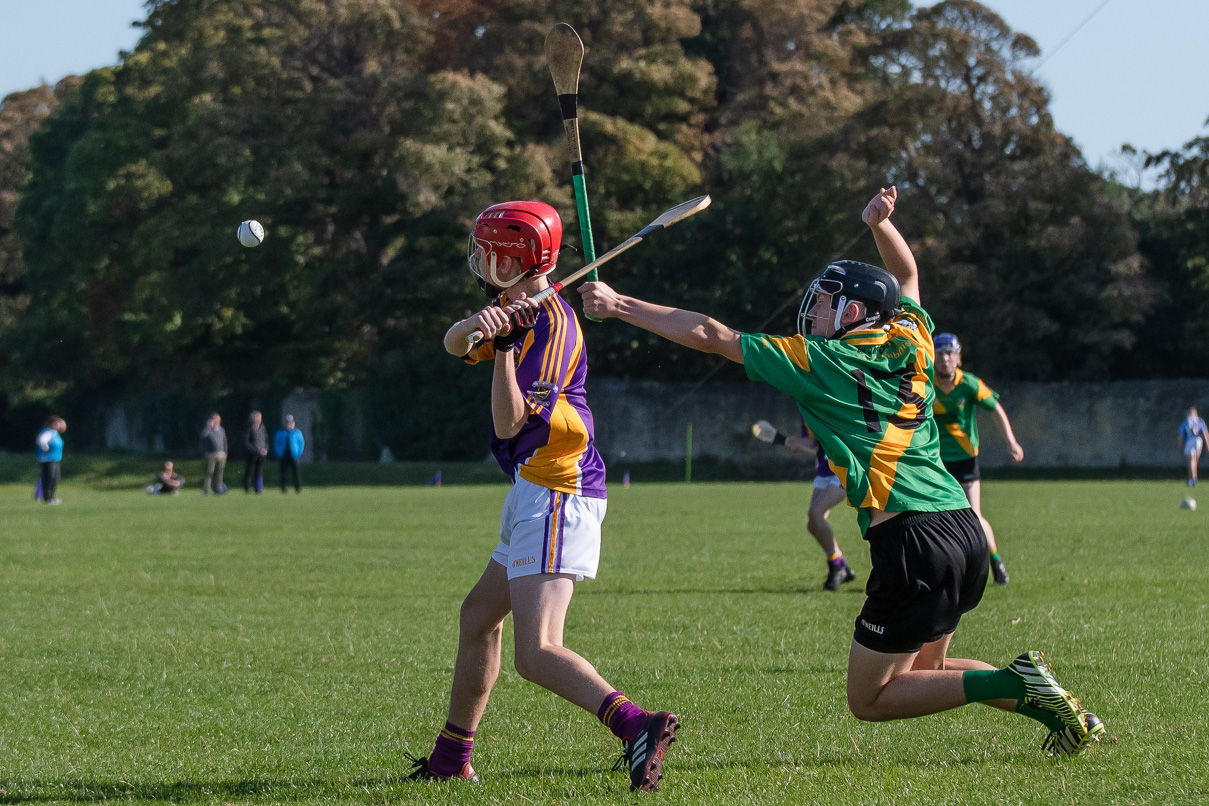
(1068, 425)
(1095, 425)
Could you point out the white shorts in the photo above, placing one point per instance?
(1192, 447)
(547, 532)
(823, 482)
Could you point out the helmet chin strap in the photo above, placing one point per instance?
(841, 305)
(843, 330)
(494, 276)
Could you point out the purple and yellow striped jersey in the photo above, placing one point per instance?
(822, 468)
(954, 413)
(556, 447)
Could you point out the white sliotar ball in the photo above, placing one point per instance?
(251, 233)
(1188, 503)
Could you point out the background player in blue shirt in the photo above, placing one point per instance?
(1192, 439)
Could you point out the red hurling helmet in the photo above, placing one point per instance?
(529, 231)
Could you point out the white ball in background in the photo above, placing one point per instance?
(1188, 503)
(251, 233)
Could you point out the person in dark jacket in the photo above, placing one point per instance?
(214, 446)
(256, 446)
(288, 444)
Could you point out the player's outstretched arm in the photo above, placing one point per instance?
(695, 330)
(891, 245)
(798, 444)
(1005, 428)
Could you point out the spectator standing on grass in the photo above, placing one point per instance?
(50, 453)
(214, 446)
(1193, 435)
(256, 444)
(168, 481)
(288, 444)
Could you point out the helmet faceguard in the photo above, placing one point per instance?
(527, 231)
(850, 281)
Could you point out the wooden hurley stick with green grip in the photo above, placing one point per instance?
(565, 55)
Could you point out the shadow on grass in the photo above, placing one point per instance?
(228, 791)
(796, 590)
(78, 791)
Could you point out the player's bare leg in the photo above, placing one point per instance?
(480, 627)
(818, 524)
(1194, 458)
(973, 491)
(540, 605)
(480, 630)
(885, 686)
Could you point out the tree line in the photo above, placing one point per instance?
(367, 134)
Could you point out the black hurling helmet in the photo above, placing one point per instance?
(852, 281)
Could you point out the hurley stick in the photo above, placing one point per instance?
(565, 56)
(665, 219)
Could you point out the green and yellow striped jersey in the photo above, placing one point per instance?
(954, 412)
(867, 397)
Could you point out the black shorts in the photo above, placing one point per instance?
(928, 569)
(964, 470)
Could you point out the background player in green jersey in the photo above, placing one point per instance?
(957, 395)
(861, 370)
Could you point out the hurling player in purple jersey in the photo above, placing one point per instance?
(827, 494)
(550, 527)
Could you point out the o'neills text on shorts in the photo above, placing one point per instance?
(523, 561)
(873, 628)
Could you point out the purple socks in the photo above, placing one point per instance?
(621, 716)
(452, 751)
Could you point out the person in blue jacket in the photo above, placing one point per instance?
(50, 453)
(288, 444)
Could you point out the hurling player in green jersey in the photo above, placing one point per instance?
(957, 394)
(861, 370)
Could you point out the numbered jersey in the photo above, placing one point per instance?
(955, 412)
(867, 397)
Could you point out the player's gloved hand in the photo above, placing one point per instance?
(522, 318)
(506, 341)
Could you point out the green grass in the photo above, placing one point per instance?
(287, 649)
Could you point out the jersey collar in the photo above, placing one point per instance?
(870, 337)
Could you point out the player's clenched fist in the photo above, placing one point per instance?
(600, 300)
(523, 312)
(880, 206)
(491, 321)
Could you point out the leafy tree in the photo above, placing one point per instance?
(1174, 222)
(20, 115)
(315, 117)
(1023, 246)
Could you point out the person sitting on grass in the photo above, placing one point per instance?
(168, 481)
(861, 370)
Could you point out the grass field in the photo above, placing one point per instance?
(290, 648)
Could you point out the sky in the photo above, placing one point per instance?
(1134, 73)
